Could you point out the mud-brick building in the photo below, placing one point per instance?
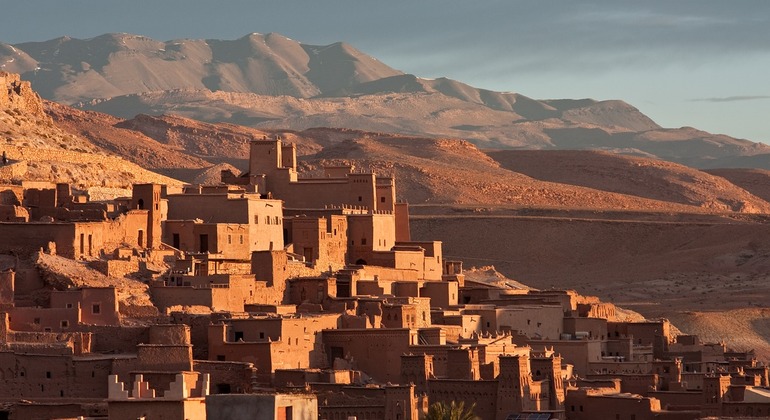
(224, 221)
(272, 342)
(88, 235)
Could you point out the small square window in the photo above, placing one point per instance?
(65, 324)
(69, 306)
(96, 308)
(37, 321)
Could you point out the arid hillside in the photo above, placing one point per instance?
(273, 82)
(657, 265)
(40, 150)
(642, 177)
(755, 181)
(429, 170)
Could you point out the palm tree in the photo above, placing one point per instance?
(452, 411)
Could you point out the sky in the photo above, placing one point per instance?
(698, 63)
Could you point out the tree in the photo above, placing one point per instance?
(452, 411)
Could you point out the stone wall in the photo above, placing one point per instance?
(16, 94)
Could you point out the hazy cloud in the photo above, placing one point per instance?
(733, 98)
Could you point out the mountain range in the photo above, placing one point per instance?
(272, 82)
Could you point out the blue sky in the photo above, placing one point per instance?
(701, 63)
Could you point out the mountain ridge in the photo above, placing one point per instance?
(273, 82)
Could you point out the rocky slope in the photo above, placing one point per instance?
(429, 170)
(39, 150)
(642, 177)
(272, 82)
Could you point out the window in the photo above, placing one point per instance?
(65, 324)
(37, 321)
(261, 335)
(229, 239)
(360, 198)
(240, 238)
(96, 308)
(256, 219)
(363, 241)
(48, 375)
(69, 306)
(382, 199)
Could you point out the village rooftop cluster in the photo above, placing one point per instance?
(306, 298)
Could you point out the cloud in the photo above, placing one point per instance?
(732, 98)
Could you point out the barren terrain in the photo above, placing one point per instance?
(272, 82)
(660, 268)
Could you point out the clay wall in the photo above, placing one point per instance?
(164, 357)
(262, 406)
(169, 334)
(371, 272)
(74, 240)
(399, 316)
(191, 408)
(533, 321)
(578, 353)
(482, 393)
(313, 290)
(386, 193)
(644, 333)
(13, 171)
(14, 214)
(7, 287)
(400, 260)
(594, 327)
(64, 410)
(44, 319)
(26, 238)
(117, 339)
(422, 309)
(368, 233)
(442, 294)
(296, 341)
(745, 409)
(621, 348)
(433, 266)
(229, 240)
(611, 365)
(166, 297)
(52, 376)
(98, 305)
(375, 352)
(403, 231)
(226, 377)
(635, 383)
(584, 405)
(264, 217)
(11, 195)
(320, 240)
